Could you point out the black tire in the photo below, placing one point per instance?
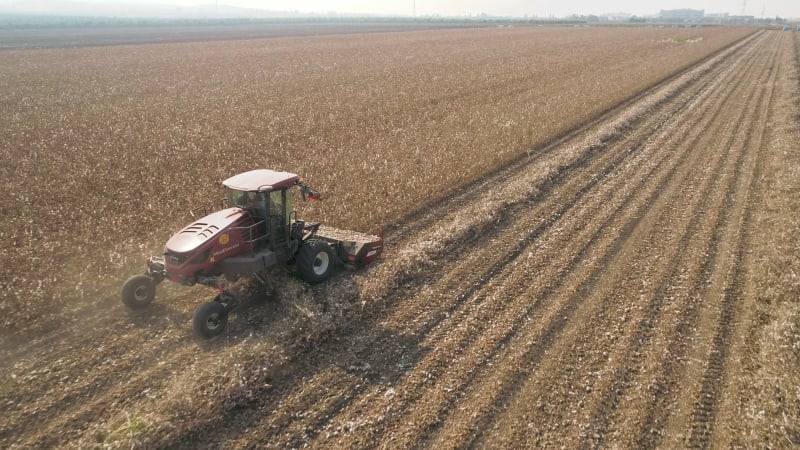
(138, 292)
(315, 261)
(210, 320)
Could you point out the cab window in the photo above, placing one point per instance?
(239, 198)
(276, 203)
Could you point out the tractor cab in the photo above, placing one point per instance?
(256, 231)
(265, 194)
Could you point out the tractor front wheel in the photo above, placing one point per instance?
(315, 261)
(138, 291)
(210, 319)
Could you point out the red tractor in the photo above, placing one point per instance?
(257, 231)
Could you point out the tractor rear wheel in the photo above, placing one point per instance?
(210, 319)
(315, 261)
(138, 291)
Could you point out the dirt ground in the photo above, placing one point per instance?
(632, 285)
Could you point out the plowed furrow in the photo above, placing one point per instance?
(665, 386)
(589, 313)
(713, 379)
(674, 295)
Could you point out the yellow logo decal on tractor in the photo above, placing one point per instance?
(224, 239)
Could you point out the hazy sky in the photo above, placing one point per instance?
(770, 8)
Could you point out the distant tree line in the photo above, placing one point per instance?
(21, 21)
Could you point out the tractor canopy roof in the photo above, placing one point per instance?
(261, 180)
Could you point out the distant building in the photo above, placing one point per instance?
(681, 15)
(742, 20)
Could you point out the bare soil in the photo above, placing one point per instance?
(615, 289)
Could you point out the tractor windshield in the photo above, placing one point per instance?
(254, 201)
(242, 199)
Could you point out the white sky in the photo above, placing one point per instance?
(541, 8)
